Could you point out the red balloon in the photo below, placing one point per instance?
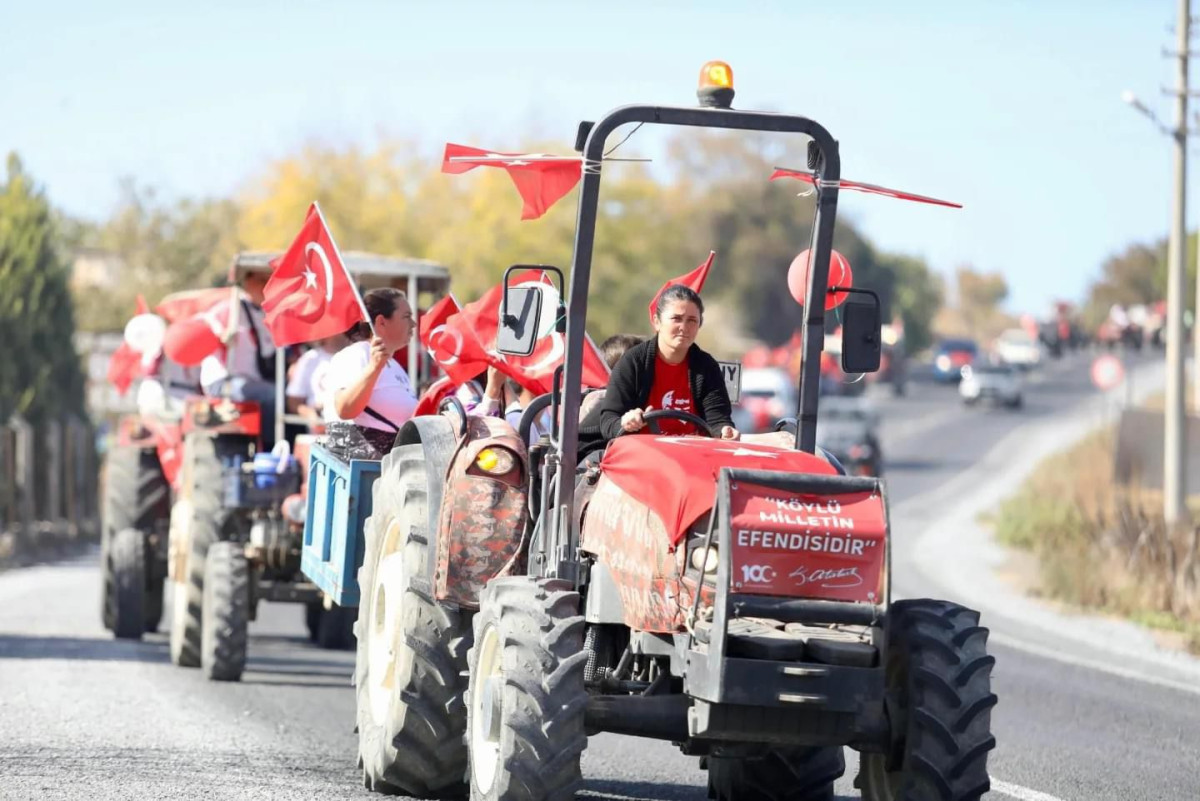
(188, 341)
(840, 274)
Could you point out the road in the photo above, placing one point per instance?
(84, 716)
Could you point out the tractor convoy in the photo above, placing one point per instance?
(512, 595)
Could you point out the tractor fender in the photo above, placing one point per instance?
(481, 530)
(436, 434)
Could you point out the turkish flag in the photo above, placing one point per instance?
(190, 339)
(693, 280)
(309, 295)
(540, 178)
(123, 366)
(857, 186)
(535, 372)
(677, 476)
(181, 305)
(455, 347)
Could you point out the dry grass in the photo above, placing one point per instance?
(1104, 546)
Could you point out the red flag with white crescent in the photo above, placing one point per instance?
(857, 186)
(309, 295)
(455, 348)
(181, 305)
(540, 178)
(535, 372)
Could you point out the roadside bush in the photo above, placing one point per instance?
(1103, 546)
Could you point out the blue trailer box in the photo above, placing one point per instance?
(339, 503)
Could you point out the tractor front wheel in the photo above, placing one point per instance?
(411, 649)
(939, 673)
(226, 612)
(797, 774)
(127, 560)
(525, 713)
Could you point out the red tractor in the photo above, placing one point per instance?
(733, 598)
(133, 538)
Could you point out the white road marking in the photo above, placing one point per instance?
(1020, 644)
(1023, 793)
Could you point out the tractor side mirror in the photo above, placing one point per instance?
(862, 335)
(520, 317)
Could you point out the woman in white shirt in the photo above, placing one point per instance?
(366, 386)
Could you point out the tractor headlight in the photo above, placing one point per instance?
(495, 461)
(705, 559)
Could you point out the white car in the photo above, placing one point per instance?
(1018, 348)
(998, 383)
(768, 395)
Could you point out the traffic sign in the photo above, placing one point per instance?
(1107, 371)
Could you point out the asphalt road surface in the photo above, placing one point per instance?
(82, 716)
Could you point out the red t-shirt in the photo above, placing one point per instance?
(671, 390)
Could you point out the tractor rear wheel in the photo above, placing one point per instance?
(798, 774)
(206, 519)
(525, 714)
(939, 671)
(412, 651)
(136, 496)
(226, 612)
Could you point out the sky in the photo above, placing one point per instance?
(1013, 109)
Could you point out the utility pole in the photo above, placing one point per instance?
(1174, 477)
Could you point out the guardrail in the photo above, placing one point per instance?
(49, 477)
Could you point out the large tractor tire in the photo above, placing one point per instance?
(127, 556)
(525, 713)
(799, 774)
(940, 674)
(136, 496)
(207, 519)
(226, 612)
(412, 651)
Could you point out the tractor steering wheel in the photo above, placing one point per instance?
(700, 423)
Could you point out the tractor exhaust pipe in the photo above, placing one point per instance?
(662, 717)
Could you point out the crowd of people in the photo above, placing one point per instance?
(352, 387)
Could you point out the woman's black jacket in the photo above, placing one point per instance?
(632, 379)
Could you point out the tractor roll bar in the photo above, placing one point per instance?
(828, 165)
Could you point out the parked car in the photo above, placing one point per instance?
(848, 429)
(950, 356)
(1017, 348)
(998, 383)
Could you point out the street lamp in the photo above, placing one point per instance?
(1129, 97)
(1174, 477)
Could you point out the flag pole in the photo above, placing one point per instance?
(349, 278)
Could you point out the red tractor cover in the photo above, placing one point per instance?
(677, 476)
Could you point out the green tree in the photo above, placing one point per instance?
(162, 248)
(40, 376)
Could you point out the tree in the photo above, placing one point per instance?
(976, 312)
(40, 375)
(162, 247)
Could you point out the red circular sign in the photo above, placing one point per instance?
(1107, 371)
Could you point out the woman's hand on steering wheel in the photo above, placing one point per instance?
(651, 420)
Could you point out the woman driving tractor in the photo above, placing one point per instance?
(668, 372)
